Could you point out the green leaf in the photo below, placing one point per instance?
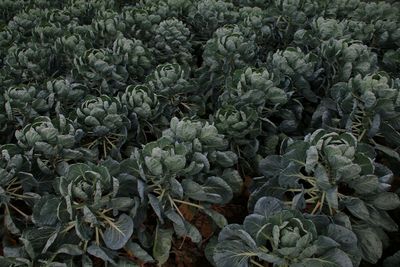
(118, 233)
(214, 190)
(388, 151)
(175, 163)
(268, 206)
(162, 244)
(312, 158)
(10, 225)
(76, 170)
(137, 251)
(188, 230)
(365, 184)
(357, 208)
(45, 210)
(322, 177)
(369, 243)
(226, 159)
(154, 165)
(101, 253)
(156, 205)
(386, 201)
(218, 218)
(69, 249)
(333, 258)
(233, 179)
(233, 253)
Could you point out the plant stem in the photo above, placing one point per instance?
(188, 203)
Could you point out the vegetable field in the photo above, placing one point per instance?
(197, 133)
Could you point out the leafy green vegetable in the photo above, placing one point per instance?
(132, 132)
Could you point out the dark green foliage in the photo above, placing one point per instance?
(129, 130)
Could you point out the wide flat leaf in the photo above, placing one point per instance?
(76, 170)
(369, 243)
(10, 225)
(45, 210)
(162, 244)
(311, 159)
(365, 184)
(137, 251)
(270, 166)
(69, 249)
(156, 205)
(386, 201)
(218, 218)
(188, 230)
(101, 253)
(214, 190)
(268, 206)
(175, 163)
(388, 151)
(233, 253)
(117, 234)
(357, 208)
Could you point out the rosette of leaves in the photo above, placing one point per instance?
(50, 143)
(391, 61)
(67, 93)
(342, 8)
(69, 46)
(85, 31)
(141, 100)
(332, 173)
(107, 26)
(16, 182)
(170, 80)
(321, 29)
(293, 68)
(85, 10)
(47, 32)
(6, 40)
(228, 50)
(278, 236)
(360, 30)
(105, 123)
(140, 22)
(189, 166)
(343, 60)
(254, 20)
(387, 33)
(206, 16)
(86, 212)
(29, 62)
(171, 42)
(24, 22)
(254, 87)
(135, 55)
(367, 107)
(23, 103)
(58, 15)
(242, 126)
(288, 17)
(175, 89)
(376, 11)
(101, 70)
(168, 8)
(9, 9)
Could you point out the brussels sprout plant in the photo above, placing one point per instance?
(224, 133)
